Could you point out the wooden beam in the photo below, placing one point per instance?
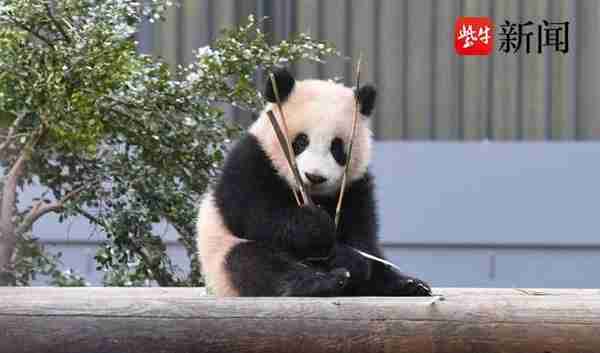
(184, 320)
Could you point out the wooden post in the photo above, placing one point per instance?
(147, 320)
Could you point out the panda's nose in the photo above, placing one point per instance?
(315, 178)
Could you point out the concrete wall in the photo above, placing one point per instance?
(427, 91)
(476, 214)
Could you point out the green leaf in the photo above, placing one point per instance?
(137, 141)
(6, 119)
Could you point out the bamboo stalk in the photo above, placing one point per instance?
(286, 147)
(286, 152)
(292, 160)
(350, 144)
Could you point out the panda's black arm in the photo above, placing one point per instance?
(257, 204)
(358, 220)
(357, 229)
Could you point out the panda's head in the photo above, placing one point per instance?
(319, 117)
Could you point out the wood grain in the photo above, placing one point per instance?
(184, 320)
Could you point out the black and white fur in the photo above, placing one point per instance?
(254, 240)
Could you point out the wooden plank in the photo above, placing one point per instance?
(475, 82)
(183, 320)
(445, 85)
(307, 21)
(279, 24)
(193, 303)
(504, 97)
(418, 70)
(238, 11)
(563, 91)
(165, 35)
(389, 123)
(196, 27)
(243, 9)
(505, 79)
(224, 16)
(535, 75)
(334, 29)
(588, 75)
(363, 29)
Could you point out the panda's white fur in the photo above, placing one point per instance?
(272, 236)
(321, 109)
(214, 243)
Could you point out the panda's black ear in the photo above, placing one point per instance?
(285, 83)
(366, 99)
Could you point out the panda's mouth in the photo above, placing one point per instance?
(314, 187)
(325, 188)
(314, 179)
(320, 181)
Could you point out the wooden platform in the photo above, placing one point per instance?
(147, 320)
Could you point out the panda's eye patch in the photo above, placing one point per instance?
(300, 143)
(338, 151)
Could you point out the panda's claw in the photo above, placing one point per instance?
(342, 276)
(414, 287)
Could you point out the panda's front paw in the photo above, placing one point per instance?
(312, 233)
(315, 284)
(341, 276)
(412, 287)
(337, 279)
(358, 266)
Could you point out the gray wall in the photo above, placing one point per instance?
(427, 91)
(506, 215)
(492, 214)
(460, 214)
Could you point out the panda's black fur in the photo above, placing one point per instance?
(257, 204)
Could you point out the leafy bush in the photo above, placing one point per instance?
(113, 135)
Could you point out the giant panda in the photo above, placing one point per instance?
(254, 240)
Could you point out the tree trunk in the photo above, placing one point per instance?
(7, 248)
(8, 210)
(8, 239)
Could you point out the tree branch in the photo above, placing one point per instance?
(41, 208)
(92, 218)
(57, 24)
(183, 230)
(34, 214)
(8, 238)
(9, 190)
(162, 277)
(12, 131)
(31, 31)
(9, 193)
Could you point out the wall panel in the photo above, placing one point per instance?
(427, 92)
